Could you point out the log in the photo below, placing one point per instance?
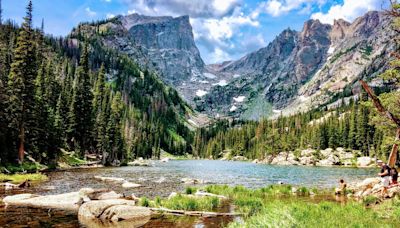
(193, 213)
(382, 110)
(393, 153)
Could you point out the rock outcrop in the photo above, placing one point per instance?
(311, 157)
(113, 213)
(162, 44)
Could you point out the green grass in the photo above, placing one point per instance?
(324, 214)
(18, 178)
(190, 190)
(29, 167)
(182, 202)
(284, 206)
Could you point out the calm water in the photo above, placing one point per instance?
(164, 178)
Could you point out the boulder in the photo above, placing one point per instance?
(109, 195)
(307, 161)
(8, 186)
(239, 158)
(307, 152)
(164, 160)
(392, 191)
(110, 179)
(192, 181)
(66, 201)
(364, 161)
(113, 213)
(284, 158)
(140, 162)
(207, 194)
(172, 195)
(331, 160)
(369, 182)
(327, 152)
(128, 184)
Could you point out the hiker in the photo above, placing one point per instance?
(342, 188)
(385, 177)
(394, 174)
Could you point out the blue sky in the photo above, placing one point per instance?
(223, 29)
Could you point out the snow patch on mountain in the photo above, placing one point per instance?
(200, 93)
(233, 108)
(239, 99)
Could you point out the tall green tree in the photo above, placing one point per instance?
(21, 84)
(81, 105)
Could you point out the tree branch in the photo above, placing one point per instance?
(382, 110)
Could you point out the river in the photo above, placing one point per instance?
(164, 178)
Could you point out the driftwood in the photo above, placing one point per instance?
(384, 112)
(193, 213)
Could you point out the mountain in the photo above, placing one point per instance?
(301, 70)
(164, 45)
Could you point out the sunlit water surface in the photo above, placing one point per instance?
(164, 178)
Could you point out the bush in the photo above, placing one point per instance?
(190, 190)
(370, 200)
(144, 202)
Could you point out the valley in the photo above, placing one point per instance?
(120, 122)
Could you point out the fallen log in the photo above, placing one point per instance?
(193, 213)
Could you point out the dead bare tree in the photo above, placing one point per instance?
(384, 112)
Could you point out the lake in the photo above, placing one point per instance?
(164, 178)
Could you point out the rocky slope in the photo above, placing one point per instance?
(300, 70)
(162, 44)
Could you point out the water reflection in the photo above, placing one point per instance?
(164, 178)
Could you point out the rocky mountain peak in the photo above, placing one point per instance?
(339, 29)
(313, 28)
(365, 25)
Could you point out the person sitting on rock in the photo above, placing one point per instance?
(385, 177)
(342, 188)
(394, 174)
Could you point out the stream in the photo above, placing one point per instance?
(164, 178)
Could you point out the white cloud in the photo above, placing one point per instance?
(110, 15)
(89, 12)
(349, 10)
(217, 34)
(196, 9)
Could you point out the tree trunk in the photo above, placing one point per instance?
(382, 110)
(21, 147)
(393, 154)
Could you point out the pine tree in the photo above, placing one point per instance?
(1, 14)
(21, 84)
(352, 140)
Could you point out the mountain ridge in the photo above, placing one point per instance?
(285, 80)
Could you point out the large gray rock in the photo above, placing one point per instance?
(113, 213)
(331, 160)
(365, 161)
(67, 201)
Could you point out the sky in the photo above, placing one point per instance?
(223, 29)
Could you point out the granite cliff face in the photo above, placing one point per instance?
(300, 70)
(295, 72)
(162, 44)
(168, 45)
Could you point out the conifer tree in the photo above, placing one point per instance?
(81, 105)
(21, 84)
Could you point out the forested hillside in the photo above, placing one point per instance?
(353, 126)
(74, 94)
